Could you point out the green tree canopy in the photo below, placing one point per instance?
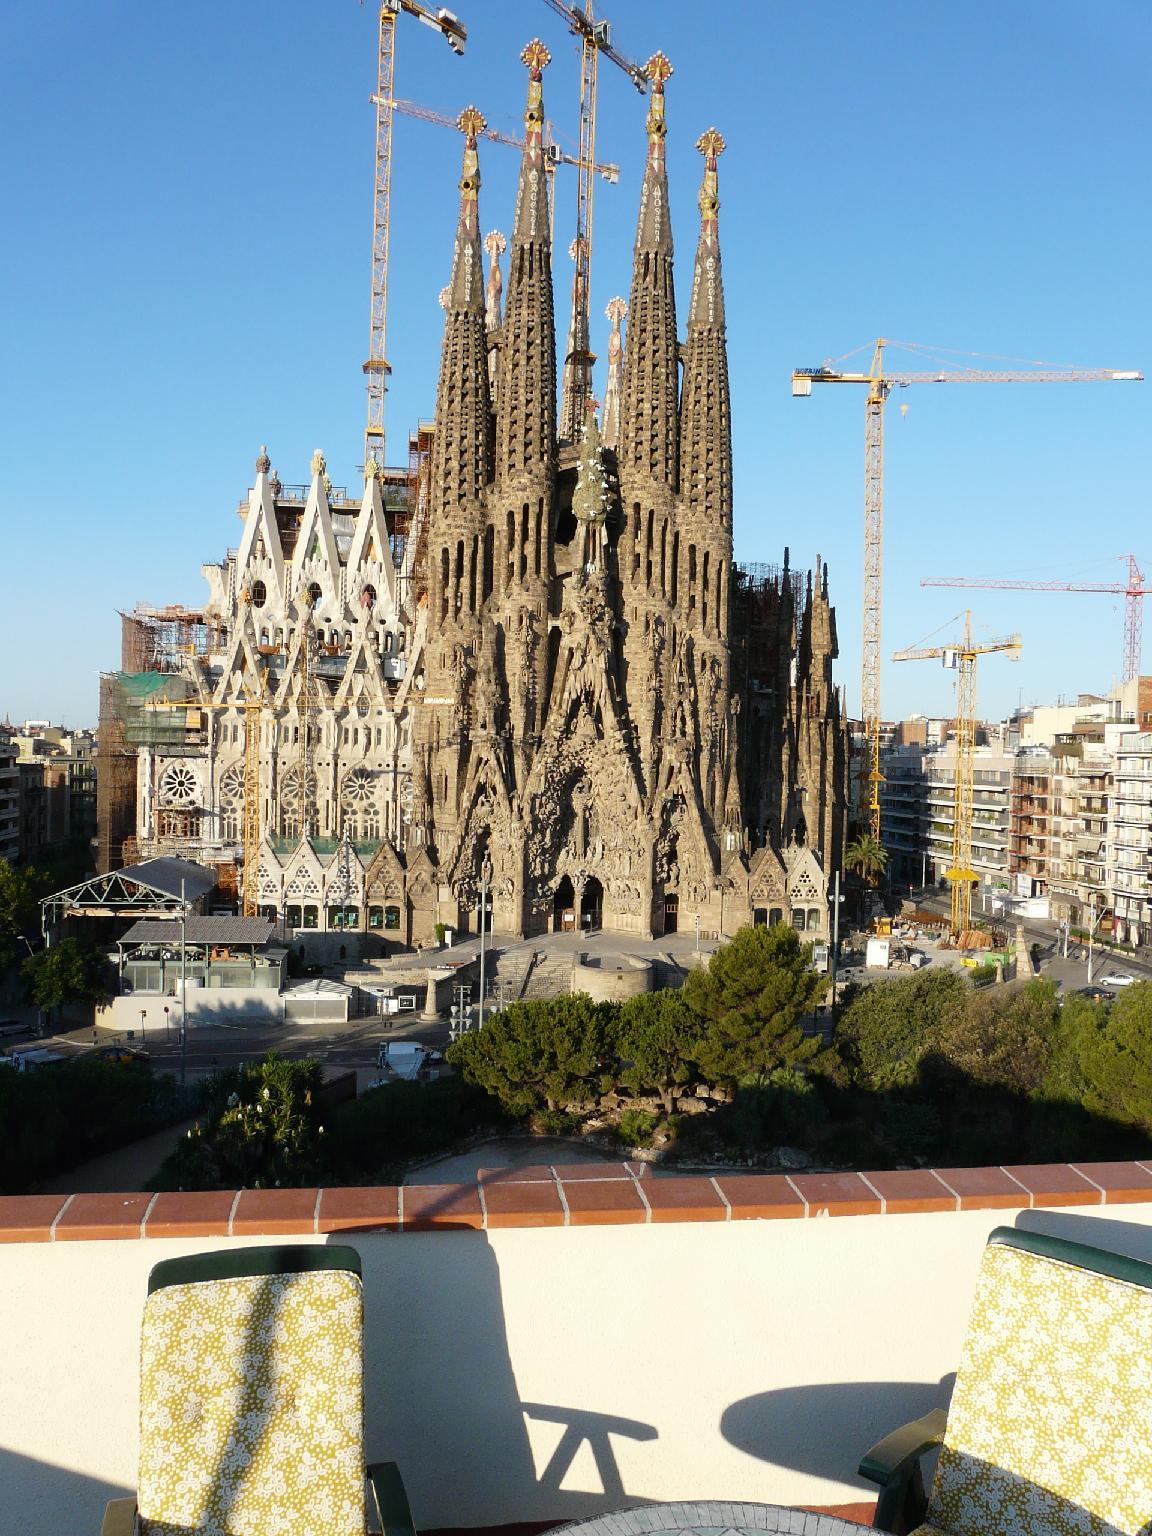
(888, 1026)
(750, 1000)
(69, 972)
(1115, 1051)
(20, 891)
(1003, 1038)
(658, 1039)
(541, 1053)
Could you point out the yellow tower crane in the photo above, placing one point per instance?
(377, 367)
(879, 382)
(595, 36)
(961, 655)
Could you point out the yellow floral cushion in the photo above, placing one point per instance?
(251, 1407)
(1050, 1426)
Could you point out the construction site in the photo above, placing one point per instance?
(518, 682)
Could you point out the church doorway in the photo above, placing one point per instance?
(591, 904)
(671, 913)
(564, 908)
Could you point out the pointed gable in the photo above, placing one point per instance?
(316, 558)
(261, 554)
(370, 555)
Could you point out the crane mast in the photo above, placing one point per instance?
(377, 366)
(595, 38)
(879, 382)
(962, 656)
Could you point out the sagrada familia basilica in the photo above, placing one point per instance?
(559, 694)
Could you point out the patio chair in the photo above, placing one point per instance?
(252, 1403)
(1049, 1431)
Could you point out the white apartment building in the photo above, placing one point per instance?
(1130, 841)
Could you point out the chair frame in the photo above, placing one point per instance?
(894, 1463)
(388, 1493)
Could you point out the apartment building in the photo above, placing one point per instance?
(1129, 871)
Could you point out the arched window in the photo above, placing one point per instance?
(368, 598)
(798, 919)
(375, 917)
(391, 917)
(314, 593)
(311, 917)
(292, 917)
(775, 916)
(259, 594)
(813, 919)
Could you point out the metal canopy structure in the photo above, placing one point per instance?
(154, 888)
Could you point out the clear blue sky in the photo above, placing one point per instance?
(186, 261)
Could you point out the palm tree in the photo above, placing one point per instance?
(867, 856)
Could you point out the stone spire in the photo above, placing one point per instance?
(460, 453)
(616, 311)
(526, 407)
(649, 437)
(579, 357)
(495, 244)
(705, 412)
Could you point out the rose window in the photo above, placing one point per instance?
(359, 789)
(178, 785)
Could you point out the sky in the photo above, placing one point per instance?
(188, 201)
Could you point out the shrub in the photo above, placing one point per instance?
(637, 1127)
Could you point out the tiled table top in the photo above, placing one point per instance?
(713, 1518)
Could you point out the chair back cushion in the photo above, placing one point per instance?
(1050, 1425)
(252, 1407)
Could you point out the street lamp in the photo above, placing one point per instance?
(485, 877)
(167, 1025)
(143, 1020)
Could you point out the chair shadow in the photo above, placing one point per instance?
(441, 1399)
(824, 1430)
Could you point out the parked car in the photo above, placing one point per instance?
(1116, 981)
(121, 1053)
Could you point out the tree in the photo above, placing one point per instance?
(888, 1027)
(543, 1053)
(69, 972)
(20, 891)
(658, 1039)
(1003, 1039)
(867, 856)
(750, 1000)
(1115, 1051)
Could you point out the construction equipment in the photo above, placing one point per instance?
(879, 382)
(961, 655)
(1133, 590)
(377, 367)
(553, 154)
(595, 36)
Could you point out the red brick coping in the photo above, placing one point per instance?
(581, 1195)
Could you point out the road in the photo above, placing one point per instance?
(1071, 973)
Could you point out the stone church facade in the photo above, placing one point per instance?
(567, 696)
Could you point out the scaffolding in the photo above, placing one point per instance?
(163, 639)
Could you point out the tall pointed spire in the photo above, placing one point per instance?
(460, 451)
(579, 357)
(526, 409)
(615, 311)
(495, 244)
(649, 431)
(705, 413)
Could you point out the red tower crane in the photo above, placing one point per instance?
(1133, 591)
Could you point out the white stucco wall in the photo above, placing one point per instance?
(743, 1360)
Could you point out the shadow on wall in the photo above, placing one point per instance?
(824, 1430)
(440, 1396)
(62, 1500)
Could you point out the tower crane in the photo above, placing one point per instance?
(553, 154)
(595, 36)
(1133, 590)
(879, 382)
(961, 656)
(377, 367)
